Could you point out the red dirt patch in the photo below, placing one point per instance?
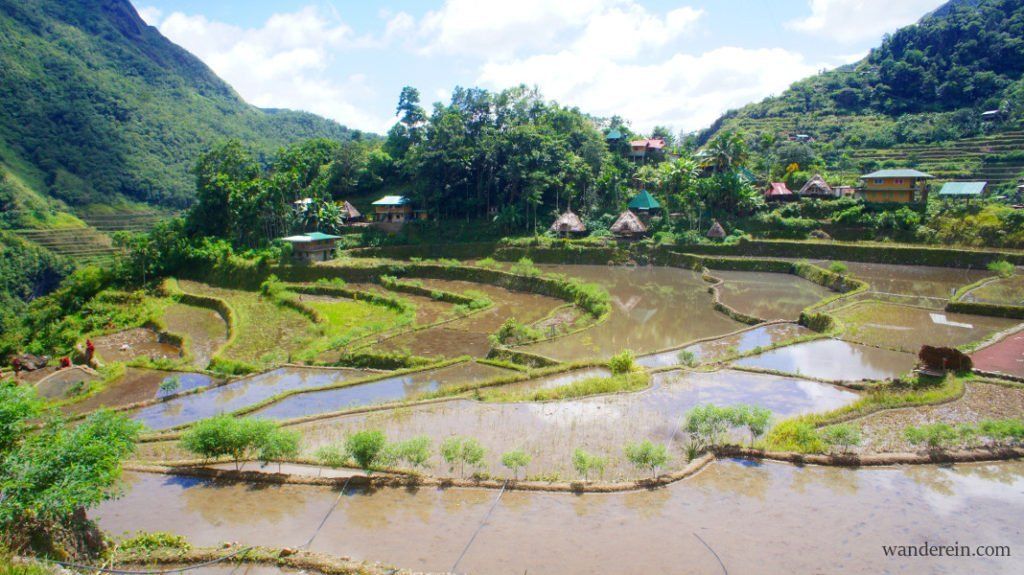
(1006, 356)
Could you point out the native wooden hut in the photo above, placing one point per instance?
(717, 232)
(778, 192)
(817, 187)
(569, 224)
(628, 226)
(350, 213)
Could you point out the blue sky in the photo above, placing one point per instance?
(653, 62)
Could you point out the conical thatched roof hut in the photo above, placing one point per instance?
(628, 225)
(817, 187)
(568, 223)
(717, 232)
(349, 212)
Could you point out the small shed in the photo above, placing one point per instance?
(628, 226)
(778, 192)
(817, 187)
(569, 224)
(962, 190)
(644, 203)
(313, 247)
(717, 232)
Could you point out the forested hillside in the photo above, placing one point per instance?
(925, 87)
(97, 107)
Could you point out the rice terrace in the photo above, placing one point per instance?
(509, 336)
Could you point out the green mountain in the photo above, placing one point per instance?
(916, 99)
(96, 107)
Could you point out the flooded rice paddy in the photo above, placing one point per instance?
(758, 518)
(653, 308)
(1006, 291)
(238, 394)
(65, 383)
(908, 328)
(768, 295)
(743, 342)
(923, 281)
(138, 385)
(205, 329)
(551, 431)
(833, 360)
(132, 343)
(381, 391)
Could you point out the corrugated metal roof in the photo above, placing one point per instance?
(310, 237)
(963, 188)
(644, 201)
(392, 201)
(904, 173)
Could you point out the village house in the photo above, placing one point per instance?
(958, 190)
(569, 224)
(644, 204)
(396, 209)
(313, 247)
(899, 186)
(778, 192)
(350, 213)
(817, 187)
(628, 226)
(651, 148)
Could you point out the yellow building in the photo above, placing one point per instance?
(899, 186)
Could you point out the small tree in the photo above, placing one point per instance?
(226, 436)
(843, 436)
(415, 451)
(516, 460)
(757, 420)
(706, 424)
(647, 455)
(838, 268)
(1002, 268)
(462, 451)
(279, 444)
(585, 462)
(622, 362)
(366, 448)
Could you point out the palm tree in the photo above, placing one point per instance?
(726, 152)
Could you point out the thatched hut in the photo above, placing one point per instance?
(568, 224)
(817, 187)
(628, 226)
(717, 232)
(350, 213)
(778, 192)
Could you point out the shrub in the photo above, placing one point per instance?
(366, 447)
(757, 420)
(647, 456)
(514, 333)
(687, 358)
(525, 267)
(415, 451)
(706, 424)
(1002, 268)
(226, 436)
(149, 542)
(462, 451)
(489, 263)
(279, 444)
(843, 436)
(795, 435)
(1002, 429)
(516, 460)
(332, 455)
(170, 385)
(838, 268)
(622, 362)
(937, 436)
(585, 462)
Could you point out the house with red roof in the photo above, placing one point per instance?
(778, 192)
(642, 149)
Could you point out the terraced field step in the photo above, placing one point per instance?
(126, 221)
(80, 243)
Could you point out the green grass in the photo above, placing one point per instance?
(632, 381)
(347, 321)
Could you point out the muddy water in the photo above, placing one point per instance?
(238, 394)
(834, 360)
(469, 336)
(65, 383)
(768, 295)
(391, 389)
(130, 344)
(729, 345)
(909, 328)
(205, 329)
(551, 431)
(758, 518)
(653, 308)
(138, 385)
(1008, 291)
(912, 280)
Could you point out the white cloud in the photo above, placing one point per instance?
(150, 15)
(850, 21)
(283, 64)
(684, 91)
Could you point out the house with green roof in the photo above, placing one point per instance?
(902, 186)
(644, 204)
(962, 190)
(313, 247)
